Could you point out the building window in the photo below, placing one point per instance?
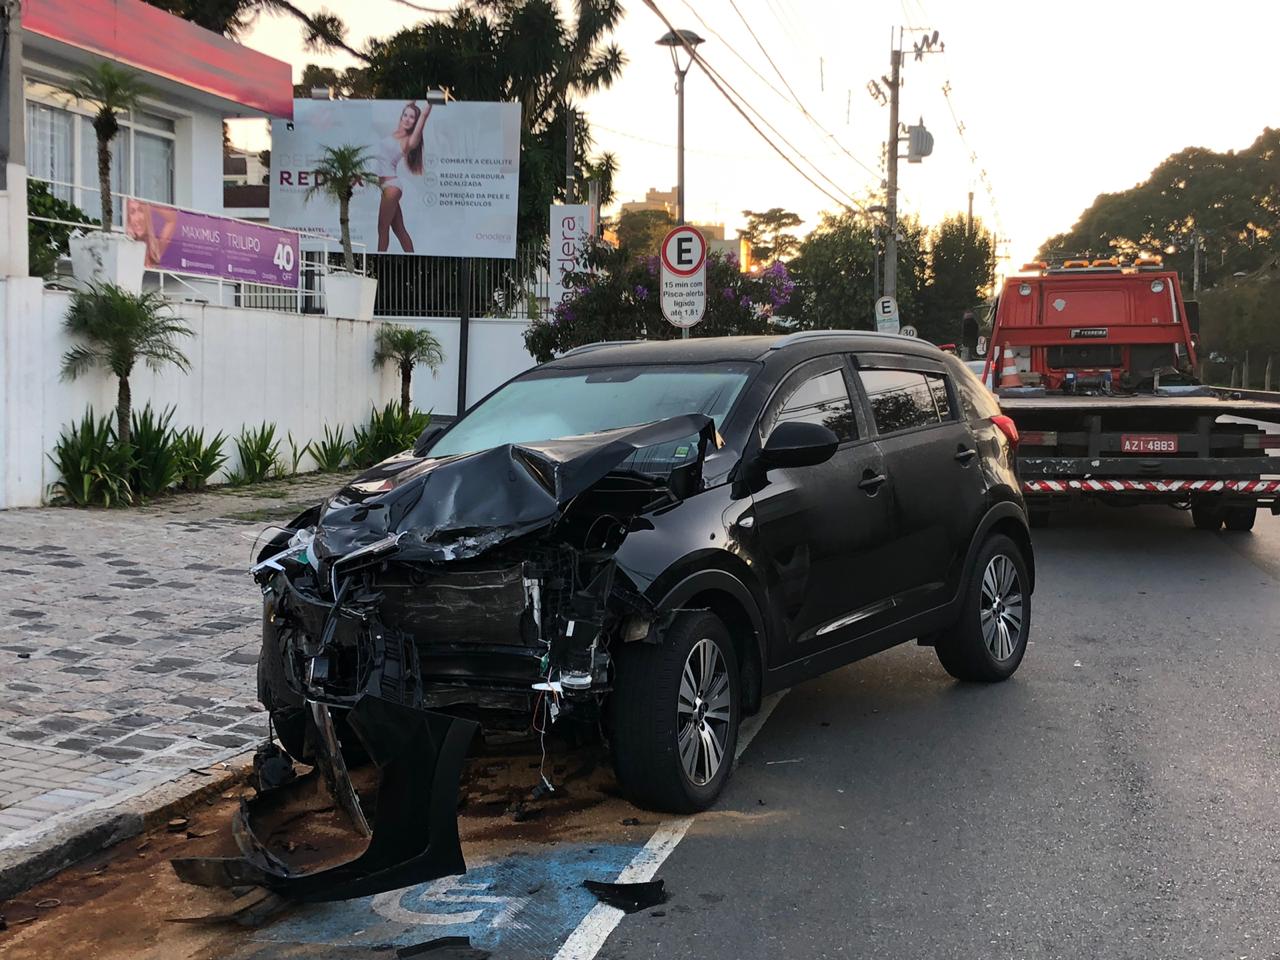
(62, 149)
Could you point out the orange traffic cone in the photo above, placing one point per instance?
(1009, 372)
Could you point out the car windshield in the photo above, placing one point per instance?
(551, 403)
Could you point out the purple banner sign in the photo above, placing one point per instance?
(203, 245)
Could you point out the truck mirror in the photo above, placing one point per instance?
(981, 349)
(1192, 309)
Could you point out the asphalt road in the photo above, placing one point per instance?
(1117, 798)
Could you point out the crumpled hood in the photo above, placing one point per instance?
(452, 507)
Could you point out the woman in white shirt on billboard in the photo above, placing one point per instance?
(402, 144)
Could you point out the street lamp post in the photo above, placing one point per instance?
(677, 40)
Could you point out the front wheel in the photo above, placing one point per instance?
(988, 641)
(675, 710)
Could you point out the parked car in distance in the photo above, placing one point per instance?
(787, 505)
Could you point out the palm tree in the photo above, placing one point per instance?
(114, 91)
(339, 172)
(122, 328)
(406, 347)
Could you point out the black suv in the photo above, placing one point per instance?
(786, 505)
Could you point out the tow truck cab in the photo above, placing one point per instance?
(1093, 323)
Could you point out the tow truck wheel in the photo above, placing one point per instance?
(675, 710)
(1206, 516)
(1240, 518)
(988, 641)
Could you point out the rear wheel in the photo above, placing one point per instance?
(675, 709)
(1240, 518)
(987, 643)
(1206, 516)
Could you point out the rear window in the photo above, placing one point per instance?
(905, 399)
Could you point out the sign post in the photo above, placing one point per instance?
(684, 277)
(887, 315)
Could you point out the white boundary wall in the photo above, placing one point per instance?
(297, 371)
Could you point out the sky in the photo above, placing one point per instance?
(1058, 101)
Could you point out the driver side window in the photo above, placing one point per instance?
(819, 398)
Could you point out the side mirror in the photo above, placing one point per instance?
(425, 439)
(799, 444)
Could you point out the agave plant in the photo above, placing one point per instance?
(92, 467)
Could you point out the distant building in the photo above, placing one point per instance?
(665, 200)
(245, 184)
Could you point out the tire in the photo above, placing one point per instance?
(648, 715)
(1206, 516)
(968, 651)
(1240, 519)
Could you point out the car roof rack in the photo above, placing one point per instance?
(803, 335)
(588, 347)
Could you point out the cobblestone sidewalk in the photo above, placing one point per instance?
(128, 640)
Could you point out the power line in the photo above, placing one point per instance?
(973, 157)
(715, 82)
(789, 100)
(716, 76)
(810, 117)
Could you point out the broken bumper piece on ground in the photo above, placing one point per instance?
(415, 827)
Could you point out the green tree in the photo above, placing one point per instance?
(1240, 318)
(521, 50)
(349, 84)
(113, 91)
(618, 299)
(339, 172)
(960, 273)
(406, 347)
(836, 273)
(1231, 201)
(640, 232)
(769, 236)
(119, 329)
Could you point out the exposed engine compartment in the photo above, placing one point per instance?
(479, 584)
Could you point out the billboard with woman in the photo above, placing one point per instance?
(444, 178)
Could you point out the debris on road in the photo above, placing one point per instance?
(628, 897)
(415, 832)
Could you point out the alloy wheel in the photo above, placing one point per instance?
(702, 712)
(1001, 607)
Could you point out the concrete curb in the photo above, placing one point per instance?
(65, 844)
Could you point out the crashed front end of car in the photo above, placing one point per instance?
(431, 591)
(473, 584)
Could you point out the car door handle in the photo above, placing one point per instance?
(965, 454)
(872, 483)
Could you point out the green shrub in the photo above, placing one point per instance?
(386, 434)
(296, 453)
(259, 455)
(94, 468)
(197, 461)
(332, 452)
(46, 241)
(155, 459)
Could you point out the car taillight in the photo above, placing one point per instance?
(1007, 427)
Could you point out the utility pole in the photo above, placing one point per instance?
(968, 224)
(891, 202)
(1195, 264)
(677, 40)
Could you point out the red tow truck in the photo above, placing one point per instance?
(1094, 360)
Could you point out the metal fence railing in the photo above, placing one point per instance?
(413, 286)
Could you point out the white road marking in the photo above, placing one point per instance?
(589, 936)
